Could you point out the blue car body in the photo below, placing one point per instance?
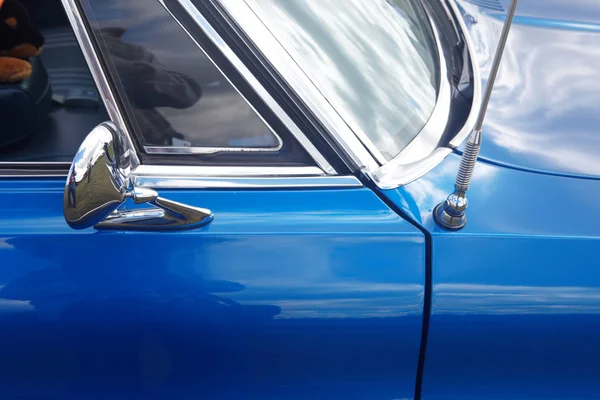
(340, 292)
(515, 294)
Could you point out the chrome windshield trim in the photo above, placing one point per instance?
(395, 176)
(218, 41)
(93, 62)
(281, 60)
(477, 83)
(215, 182)
(402, 170)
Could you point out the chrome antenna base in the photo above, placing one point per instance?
(451, 214)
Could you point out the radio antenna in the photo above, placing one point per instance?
(451, 214)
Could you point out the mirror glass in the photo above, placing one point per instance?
(96, 184)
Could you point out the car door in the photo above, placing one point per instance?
(305, 283)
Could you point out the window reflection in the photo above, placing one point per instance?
(176, 95)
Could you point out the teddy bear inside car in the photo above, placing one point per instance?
(19, 41)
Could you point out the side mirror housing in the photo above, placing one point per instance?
(99, 182)
(95, 185)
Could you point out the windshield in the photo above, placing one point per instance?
(375, 61)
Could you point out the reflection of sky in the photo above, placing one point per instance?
(84, 158)
(81, 161)
(367, 59)
(349, 275)
(587, 11)
(9, 306)
(508, 201)
(339, 299)
(433, 188)
(497, 299)
(543, 113)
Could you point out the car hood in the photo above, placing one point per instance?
(544, 113)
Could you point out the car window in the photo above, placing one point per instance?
(48, 110)
(180, 104)
(375, 61)
(177, 95)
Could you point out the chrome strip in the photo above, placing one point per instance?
(398, 171)
(244, 15)
(205, 171)
(391, 176)
(256, 86)
(29, 176)
(93, 62)
(212, 150)
(186, 182)
(65, 164)
(184, 177)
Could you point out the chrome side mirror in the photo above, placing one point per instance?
(95, 186)
(99, 182)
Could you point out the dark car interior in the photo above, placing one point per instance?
(46, 116)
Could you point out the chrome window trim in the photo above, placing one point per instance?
(214, 150)
(188, 177)
(220, 171)
(100, 79)
(259, 89)
(64, 164)
(250, 182)
(30, 176)
(398, 173)
(185, 177)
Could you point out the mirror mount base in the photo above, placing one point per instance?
(167, 215)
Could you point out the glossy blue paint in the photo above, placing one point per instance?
(543, 113)
(516, 293)
(287, 294)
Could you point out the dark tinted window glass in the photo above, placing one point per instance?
(176, 96)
